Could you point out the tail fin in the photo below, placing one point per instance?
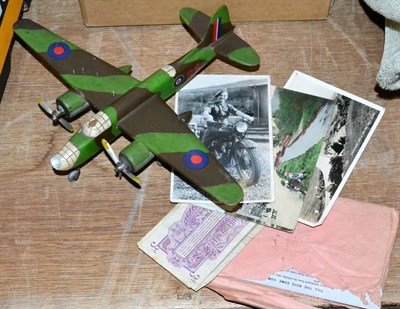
(219, 25)
(217, 32)
(205, 29)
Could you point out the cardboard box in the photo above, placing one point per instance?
(148, 12)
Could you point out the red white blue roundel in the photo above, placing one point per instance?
(179, 80)
(58, 50)
(196, 159)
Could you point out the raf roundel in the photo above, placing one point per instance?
(179, 80)
(59, 50)
(196, 159)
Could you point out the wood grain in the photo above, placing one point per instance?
(74, 245)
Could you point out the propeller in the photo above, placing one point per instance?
(120, 167)
(56, 115)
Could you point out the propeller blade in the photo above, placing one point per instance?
(45, 108)
(66, 125)
(55, 115)
(133, 177)
(110, 151)
(119, 166)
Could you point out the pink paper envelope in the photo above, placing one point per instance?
(343, 260)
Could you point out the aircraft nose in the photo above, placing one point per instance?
(56, 162)
(66, 158)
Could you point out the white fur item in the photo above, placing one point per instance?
(389, 73)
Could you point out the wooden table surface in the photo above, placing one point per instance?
(66, 245)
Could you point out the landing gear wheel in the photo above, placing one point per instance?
(74, 175)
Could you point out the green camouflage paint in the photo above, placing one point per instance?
(97, 81)
(171, 142)
(112, 84)
(245, 56)
(160, 82)
(223, 14)
(137, 108)
(71, 101)
(112, 113)
(136, 154)
(187, 15)
(199, 54)
(40, 40)
(228, 193)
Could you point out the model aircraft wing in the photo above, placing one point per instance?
(97, 81)
(157, 126)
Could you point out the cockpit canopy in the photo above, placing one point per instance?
(96, 125)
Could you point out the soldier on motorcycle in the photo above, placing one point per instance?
(216, 115)
(228, 142)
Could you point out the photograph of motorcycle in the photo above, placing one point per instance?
(228, 141)
(231, 117)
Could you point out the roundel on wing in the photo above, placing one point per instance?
(58, 50)
(196, 159)
(179, 80)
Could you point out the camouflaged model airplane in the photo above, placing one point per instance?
(137, 109)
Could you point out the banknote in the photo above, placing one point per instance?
(194, 244)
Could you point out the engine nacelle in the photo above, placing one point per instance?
(135, 156)
(72, 103)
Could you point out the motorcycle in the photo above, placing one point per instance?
(228, 143)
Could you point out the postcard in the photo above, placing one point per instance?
(294, 115)
(318, 133)
(338, 129)
(231, 115)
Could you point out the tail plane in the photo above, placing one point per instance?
(217, 32)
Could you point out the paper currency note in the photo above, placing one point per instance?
(195, 244)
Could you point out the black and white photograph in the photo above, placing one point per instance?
(260, 213)
(231, 116)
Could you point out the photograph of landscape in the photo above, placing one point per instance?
(317, 142)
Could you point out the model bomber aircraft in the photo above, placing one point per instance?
(138, 109)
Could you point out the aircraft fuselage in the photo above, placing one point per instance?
(165, 82)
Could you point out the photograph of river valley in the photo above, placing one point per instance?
(316, 144)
